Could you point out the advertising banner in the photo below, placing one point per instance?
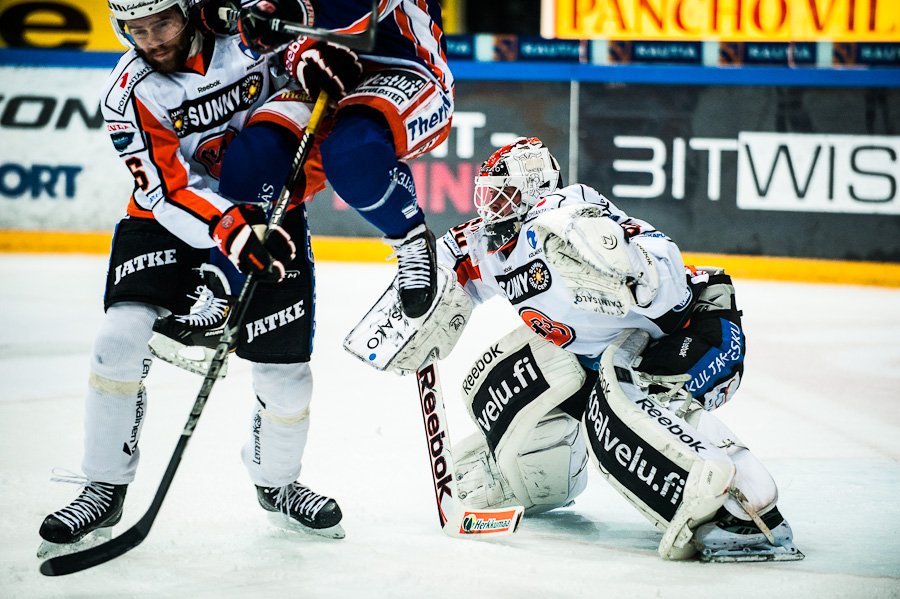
(70, 24)
(800, 172)
(730, 20)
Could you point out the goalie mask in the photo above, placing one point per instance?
(124, 11)
(510, 182)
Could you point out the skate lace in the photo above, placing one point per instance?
(95, 499)
(295, 497)
(207, 308)
(414, 263)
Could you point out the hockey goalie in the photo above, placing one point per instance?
(623, 355)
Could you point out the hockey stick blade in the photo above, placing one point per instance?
(455, 519)
(496, 522)
(131, 538)
(363, 41)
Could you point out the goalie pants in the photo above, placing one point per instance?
(152, 272)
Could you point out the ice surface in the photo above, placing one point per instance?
(820, 405)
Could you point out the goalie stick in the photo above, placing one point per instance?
(364, 41)
(131, 538)
(455, 518)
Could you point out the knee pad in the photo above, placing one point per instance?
(283, 390)
(120, 350)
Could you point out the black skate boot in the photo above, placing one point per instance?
(417, 270)
(189, 340)
(302, 509)
(98, 508)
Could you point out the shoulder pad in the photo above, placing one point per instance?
(121, 83)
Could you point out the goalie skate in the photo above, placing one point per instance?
(296, 507)
(85, 522)
(189, 340)
(734, 540)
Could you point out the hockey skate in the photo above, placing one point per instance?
(730, 539)
(85, 522)
(297, 507)
(417, 270)
(189, 340)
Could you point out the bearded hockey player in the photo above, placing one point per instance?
(395, 103)
(623, 354)
(209, 131)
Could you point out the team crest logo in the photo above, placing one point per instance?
(211, 151)
(555, 332)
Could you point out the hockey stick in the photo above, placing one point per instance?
(364, 41)
(131, 538)
(455, 518)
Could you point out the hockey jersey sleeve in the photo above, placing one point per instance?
(452, 251)
(166, 187)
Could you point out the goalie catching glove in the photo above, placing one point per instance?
(605, 269)
(241, 235)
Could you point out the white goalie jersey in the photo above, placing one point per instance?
(522, 274)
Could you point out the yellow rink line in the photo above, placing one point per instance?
(356, 249)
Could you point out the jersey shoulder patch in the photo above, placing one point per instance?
(455, 238)
(121, 83)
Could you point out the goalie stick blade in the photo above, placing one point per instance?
(495, 522)
(94, 556)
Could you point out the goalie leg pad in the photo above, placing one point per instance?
(537, 449)
(671, 472)
(389, 340)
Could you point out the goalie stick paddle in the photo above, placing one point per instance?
(455, 519)
(131, 538)
(363, 41)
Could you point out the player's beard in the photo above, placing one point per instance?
(170, 56)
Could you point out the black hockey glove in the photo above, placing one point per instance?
(237, 235)
(205, 15)
(324, 66)
(254, 23)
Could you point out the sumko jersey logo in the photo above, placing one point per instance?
(525, 282)
(211, 110)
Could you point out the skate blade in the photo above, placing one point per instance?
(786, 553)
(97, 537)
(285, 523)
(192, 358)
